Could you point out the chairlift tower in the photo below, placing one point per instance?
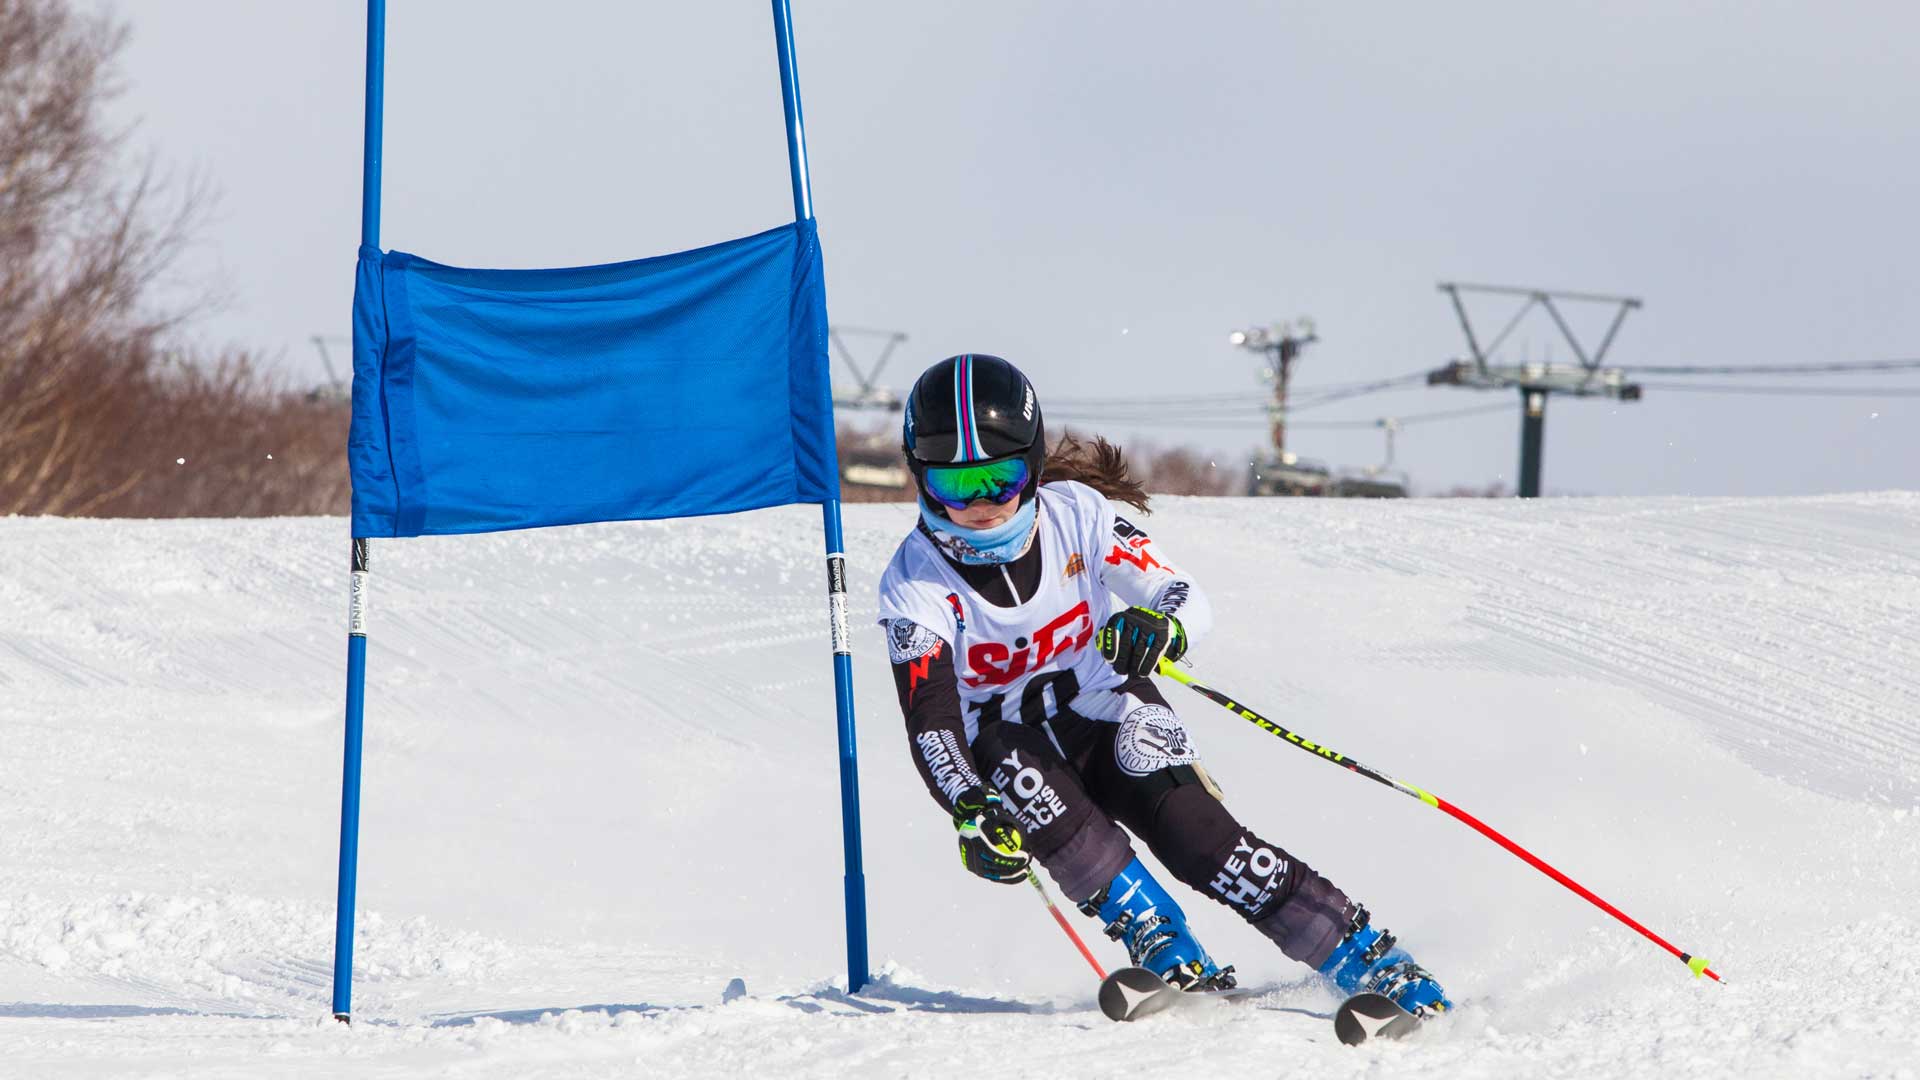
(871, 459)
(868, 395)
(1281, 346)
(338, 389)
(1536, 381)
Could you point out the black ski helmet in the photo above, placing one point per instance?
(972, 408)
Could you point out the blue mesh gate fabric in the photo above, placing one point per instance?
(692, 383)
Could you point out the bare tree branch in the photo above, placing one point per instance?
(95, 415)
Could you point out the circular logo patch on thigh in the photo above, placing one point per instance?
(1152, 738)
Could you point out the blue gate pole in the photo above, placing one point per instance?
(357, 599)
(856, 878)
(350, 788)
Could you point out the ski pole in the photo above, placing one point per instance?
(1695, 964)
(1047, 897)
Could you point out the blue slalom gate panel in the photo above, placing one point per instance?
(485, 400)
(687, 384)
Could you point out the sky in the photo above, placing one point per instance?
(1102, 192)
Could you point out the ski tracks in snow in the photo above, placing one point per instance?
(1788, 630)
(600, 784)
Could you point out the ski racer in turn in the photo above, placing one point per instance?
(1029, 711)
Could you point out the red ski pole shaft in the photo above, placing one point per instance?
(1695, 964)
(1047, 898)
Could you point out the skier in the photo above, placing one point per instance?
(1029, 710)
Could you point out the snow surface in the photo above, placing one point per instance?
(601, 784)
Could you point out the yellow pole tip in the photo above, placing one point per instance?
(1698, 965)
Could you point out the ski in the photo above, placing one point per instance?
(1133, 992)
(1367, 1016)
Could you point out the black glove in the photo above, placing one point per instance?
(990, 841)
(1136, 639)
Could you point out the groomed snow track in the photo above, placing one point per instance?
(600, 784)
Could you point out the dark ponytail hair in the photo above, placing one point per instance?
(1100, 465)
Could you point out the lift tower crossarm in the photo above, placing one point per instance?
(1545, 298)
(1536, 381)
(870, 395)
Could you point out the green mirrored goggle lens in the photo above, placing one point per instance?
(957, 486)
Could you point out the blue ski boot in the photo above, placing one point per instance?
(1140, 914)
(1367, 961)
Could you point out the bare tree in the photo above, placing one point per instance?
(1494, 490)
(94, 417)
(1185, 471)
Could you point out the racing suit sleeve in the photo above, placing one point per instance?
(1133, 570)
(936, 733)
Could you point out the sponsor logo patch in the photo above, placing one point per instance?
(1130, 546)
(908, 640)
(1075, 566)
(1250, 875)
(1140, 557)
(946, 763)
(994, 663)
(1174, 598)
(1034, 803)
(1151, 738)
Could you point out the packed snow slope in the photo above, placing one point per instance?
(601, 783)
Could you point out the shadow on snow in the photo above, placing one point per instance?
(880, 997)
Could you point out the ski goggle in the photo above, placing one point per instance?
(957, 486)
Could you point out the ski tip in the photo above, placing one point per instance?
(1133, 992)
(1371, 1016)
